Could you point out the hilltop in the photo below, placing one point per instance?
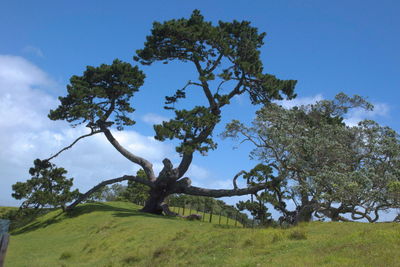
(117, 234)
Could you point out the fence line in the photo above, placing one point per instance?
(249, 223)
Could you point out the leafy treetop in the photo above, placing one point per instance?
(227, 54)
(47, 187)
(99, 93)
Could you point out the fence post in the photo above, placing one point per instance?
(220, 212)
(204, 211)
(211, 213)
(236, 218)
(183, 212)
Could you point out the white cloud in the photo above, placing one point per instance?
(197, 173)
(17, 71)
(299, 101)
(357, 115)
(152, 118)
(29, 49)
(26, 133)
(351, 119)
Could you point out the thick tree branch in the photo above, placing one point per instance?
(72, 144)
(185, 163)
(107, 182)
(198, 191)
(145, 164)
(167, 174)
(205, 86)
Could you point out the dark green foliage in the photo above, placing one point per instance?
(114, 192)
(47, 187)
(260, 174)
(99, 93)
(224, 54)
(187, 126)
(136, 192)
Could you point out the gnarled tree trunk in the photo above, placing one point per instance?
(154, 203)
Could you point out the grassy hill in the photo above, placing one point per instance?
(117, 234)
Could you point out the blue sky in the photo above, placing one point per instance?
(328, 46)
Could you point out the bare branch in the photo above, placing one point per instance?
(219, 85)
(73, 143)
(236, 90)
(107, 182)
(216, 63)
(193, 83)
(235, 178)
(145, 164)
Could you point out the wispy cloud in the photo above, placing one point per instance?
(197, 173)
(357, 115)
(299, 101)
(152, 118)
(33, 50)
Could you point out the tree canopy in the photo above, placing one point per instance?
(326, 168)
(226, 58)
(47, 187)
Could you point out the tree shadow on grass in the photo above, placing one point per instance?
(36, 225)
(85, 209)
(93, 207)
(142, 214)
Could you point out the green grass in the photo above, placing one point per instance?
(117, 234)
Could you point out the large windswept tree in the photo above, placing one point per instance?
(226, 58)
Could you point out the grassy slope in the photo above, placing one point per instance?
(116, 234)
(4, 210)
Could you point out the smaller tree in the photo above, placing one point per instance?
(136, 192)
(325, 168)
(259, 174)
(47, 187)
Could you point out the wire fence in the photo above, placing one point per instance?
(210, 214)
